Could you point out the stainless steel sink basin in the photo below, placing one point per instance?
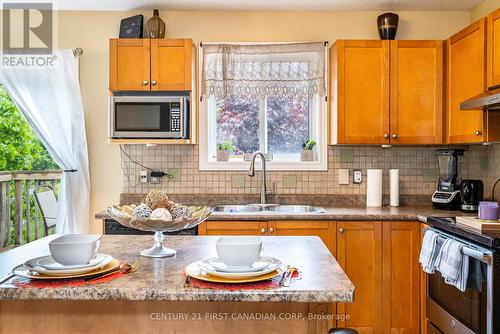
(237, 208)
(296, 209)
(268, 208)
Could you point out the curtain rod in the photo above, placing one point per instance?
(78, 52)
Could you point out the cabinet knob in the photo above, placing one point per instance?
(341, 230)
(263, 231)
(394, 136)
(271, 230)
(153, 82)
(145, 82)
(477, 133)
(386, 135)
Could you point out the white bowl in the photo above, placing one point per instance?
(239, 251)
(74, 249)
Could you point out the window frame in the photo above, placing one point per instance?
(318, 127)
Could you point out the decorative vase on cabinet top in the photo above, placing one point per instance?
(155, 26)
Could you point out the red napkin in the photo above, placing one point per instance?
(22, 282)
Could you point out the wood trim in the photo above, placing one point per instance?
(34, 175)
(301, 224)
(467, 30)
(146, 63)
(202, 228)
(492, 81)
(437, 138)
(188, 58)
(113, 45)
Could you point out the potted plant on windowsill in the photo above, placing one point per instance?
(307, 153)
(223, 150)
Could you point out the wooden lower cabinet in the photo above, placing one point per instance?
(359, 252)
(233, 228)
(380, 258)
(401, 277)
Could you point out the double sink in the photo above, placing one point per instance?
(267, 208)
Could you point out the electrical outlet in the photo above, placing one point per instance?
(343, 176)
(154, 179)
(357, 176)
(143, 176)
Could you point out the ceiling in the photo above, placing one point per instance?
(395, 5)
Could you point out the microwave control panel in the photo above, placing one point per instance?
(175, 116)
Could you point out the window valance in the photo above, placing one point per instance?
(235, 70)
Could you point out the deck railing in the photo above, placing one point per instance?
(20, 217)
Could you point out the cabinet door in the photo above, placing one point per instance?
(401, 277)
(171, 62)
(362, 106)
(304, 228)
(416, 106)
(129, 66)
(465, 75)
(493, 47)
(359, 252)
(232, 228)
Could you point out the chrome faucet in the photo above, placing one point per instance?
(251, 172)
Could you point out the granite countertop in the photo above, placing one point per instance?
(332, 213)
(323, 280)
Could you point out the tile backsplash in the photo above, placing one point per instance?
(417, 165)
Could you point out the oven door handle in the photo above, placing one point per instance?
(480, 256)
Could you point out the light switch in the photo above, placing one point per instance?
(343, 176)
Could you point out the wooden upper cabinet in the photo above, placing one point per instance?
(401, 277)
(359, 83)
(151, 64)
(171, 64)
(465, 75)
(359, 252)
(129, 64)
(493, 49)
(416, 95)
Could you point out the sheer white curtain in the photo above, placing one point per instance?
(242, 70)
(49, 97)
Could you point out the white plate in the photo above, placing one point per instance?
(260, 264)
(33, 266)
(205, 267)
(48, 262)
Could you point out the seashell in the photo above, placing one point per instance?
(128, 209)
(142, 211)
(161, 214)
(157, 199)
(182, 212)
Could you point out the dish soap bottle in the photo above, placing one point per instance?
(155, 26)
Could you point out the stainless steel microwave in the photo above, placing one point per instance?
(145, 116)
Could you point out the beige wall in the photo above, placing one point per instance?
(91, 31)
(484, 9)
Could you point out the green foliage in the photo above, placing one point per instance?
(308, 145)
(20, 149)
(225, 146)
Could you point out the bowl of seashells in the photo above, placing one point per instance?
(158, 214)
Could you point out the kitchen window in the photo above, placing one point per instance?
(266, 97)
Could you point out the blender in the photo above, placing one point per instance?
(447, 194)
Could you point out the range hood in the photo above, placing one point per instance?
(483, 101)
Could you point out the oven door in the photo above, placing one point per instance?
(147, 117)
(454, 311)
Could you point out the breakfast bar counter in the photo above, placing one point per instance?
(158, 287)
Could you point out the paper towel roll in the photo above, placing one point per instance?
(394, 185)
(374, 187)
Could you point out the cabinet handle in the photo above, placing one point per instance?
(477, 133)
(271, 230)
(145, 82)
(394, 136)
(153, 82)
(263, 231)
(386, 135)
(341, 230)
